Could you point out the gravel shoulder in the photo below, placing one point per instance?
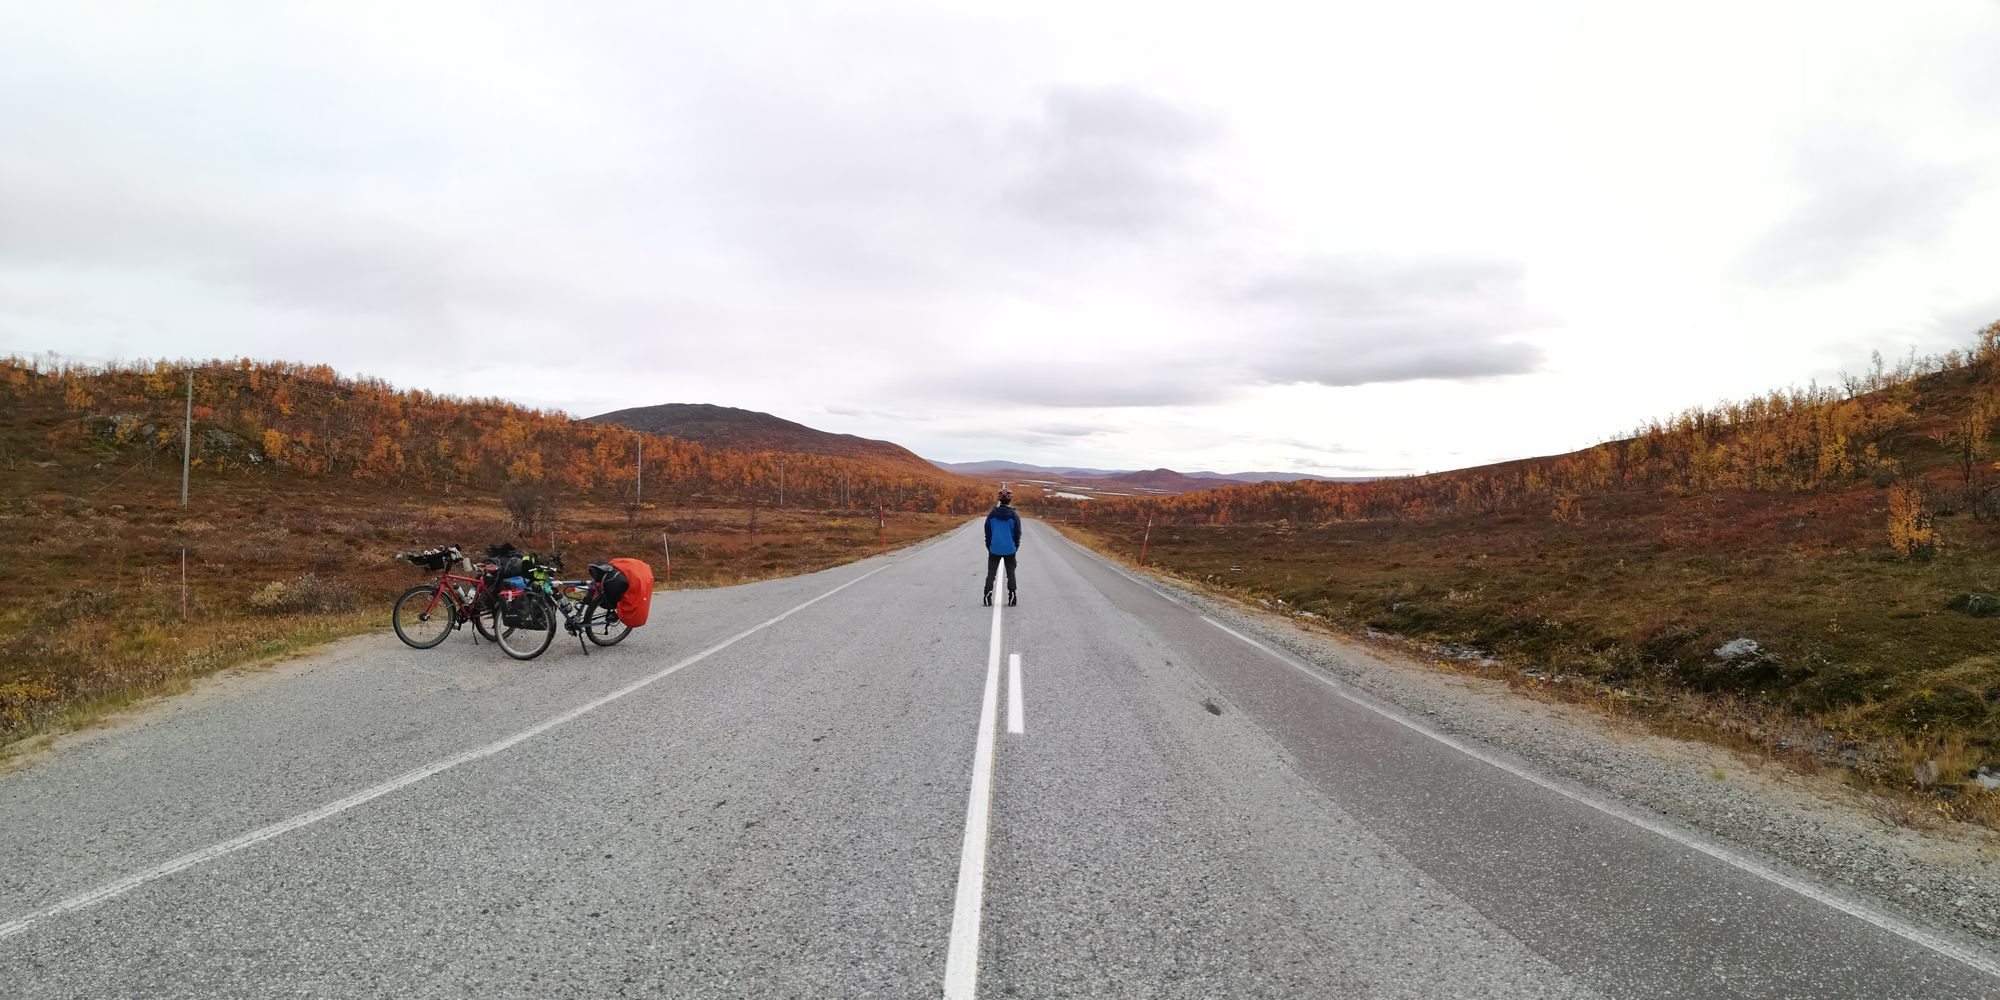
(1946, 876)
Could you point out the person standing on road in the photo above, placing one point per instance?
(1003, 542)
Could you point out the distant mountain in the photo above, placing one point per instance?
(1154, 478)
(737, 429)
(1167, 481)
(990, 468)
(1277, 477)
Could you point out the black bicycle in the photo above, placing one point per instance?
(576, 602)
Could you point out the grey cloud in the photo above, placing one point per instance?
(1116, 161)
(1343, 468)
(1862, 200)
(1064, 430)
(1330, 322)
(868, 413)
(1357, 322)
(1030, 436)
(1385, 288)
(1958, 325)
(310, 258)
(1415, 354)
(1324, 447)
(1112, 383)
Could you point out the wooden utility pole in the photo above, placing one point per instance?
(639, 475)
(187, 455)
(187, 439)
(781, 482)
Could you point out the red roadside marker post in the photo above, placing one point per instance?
(1148, 540)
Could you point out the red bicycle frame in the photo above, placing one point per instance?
(460, 602)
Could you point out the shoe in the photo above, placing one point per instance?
(1010, 598)
(986, 599)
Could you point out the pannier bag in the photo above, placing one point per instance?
(431, 559)
(508, 560)
(611, 585)
(637, 602)
(514, 609)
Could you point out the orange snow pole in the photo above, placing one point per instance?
(1147, 541)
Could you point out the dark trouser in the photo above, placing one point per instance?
(993, 567)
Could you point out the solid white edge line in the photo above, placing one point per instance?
(1852, 907)
(334, 808)
(961, 964)
(1856, 908)
(1015, 723)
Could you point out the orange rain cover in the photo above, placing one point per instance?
(638, 599)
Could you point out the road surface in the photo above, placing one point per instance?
(861, 783)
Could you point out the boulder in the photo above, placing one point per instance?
(1739, 649)
(1976, 605)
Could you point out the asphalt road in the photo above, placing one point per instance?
(776, 791)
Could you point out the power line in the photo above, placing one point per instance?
(143, 459)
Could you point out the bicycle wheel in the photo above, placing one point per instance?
(604, 628)
(482, 620)
(526, 625)
(422, 617)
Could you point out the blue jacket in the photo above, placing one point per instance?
(1003, 531)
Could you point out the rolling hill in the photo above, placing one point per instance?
(302, 484)
(735, 429)
(1816, 570)
(1115, 480)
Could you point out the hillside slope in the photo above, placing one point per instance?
(738, 429)
(302, 486)
(1816, 571)
(1201, 480)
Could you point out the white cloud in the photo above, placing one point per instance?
(1108, 235)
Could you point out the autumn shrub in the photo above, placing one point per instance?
(90, 603)
(1836, 686)
(308, 594)
(529, 505)
(22, 702)
(1912, 522)
(1666, 640)
(1566, 507)
(1941, 706)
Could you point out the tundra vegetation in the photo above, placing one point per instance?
(1812, 572)
(305, 485)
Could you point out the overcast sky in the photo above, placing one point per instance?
(1362, 239)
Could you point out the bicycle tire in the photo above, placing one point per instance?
(482, 620)
(420, 612)
(526, 628)
(600, 630)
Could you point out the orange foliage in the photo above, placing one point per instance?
(1799, 440)
(307, 419)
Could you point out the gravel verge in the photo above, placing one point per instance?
(1946, 876)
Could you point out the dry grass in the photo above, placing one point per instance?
(1864, 669)
(91, 559)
